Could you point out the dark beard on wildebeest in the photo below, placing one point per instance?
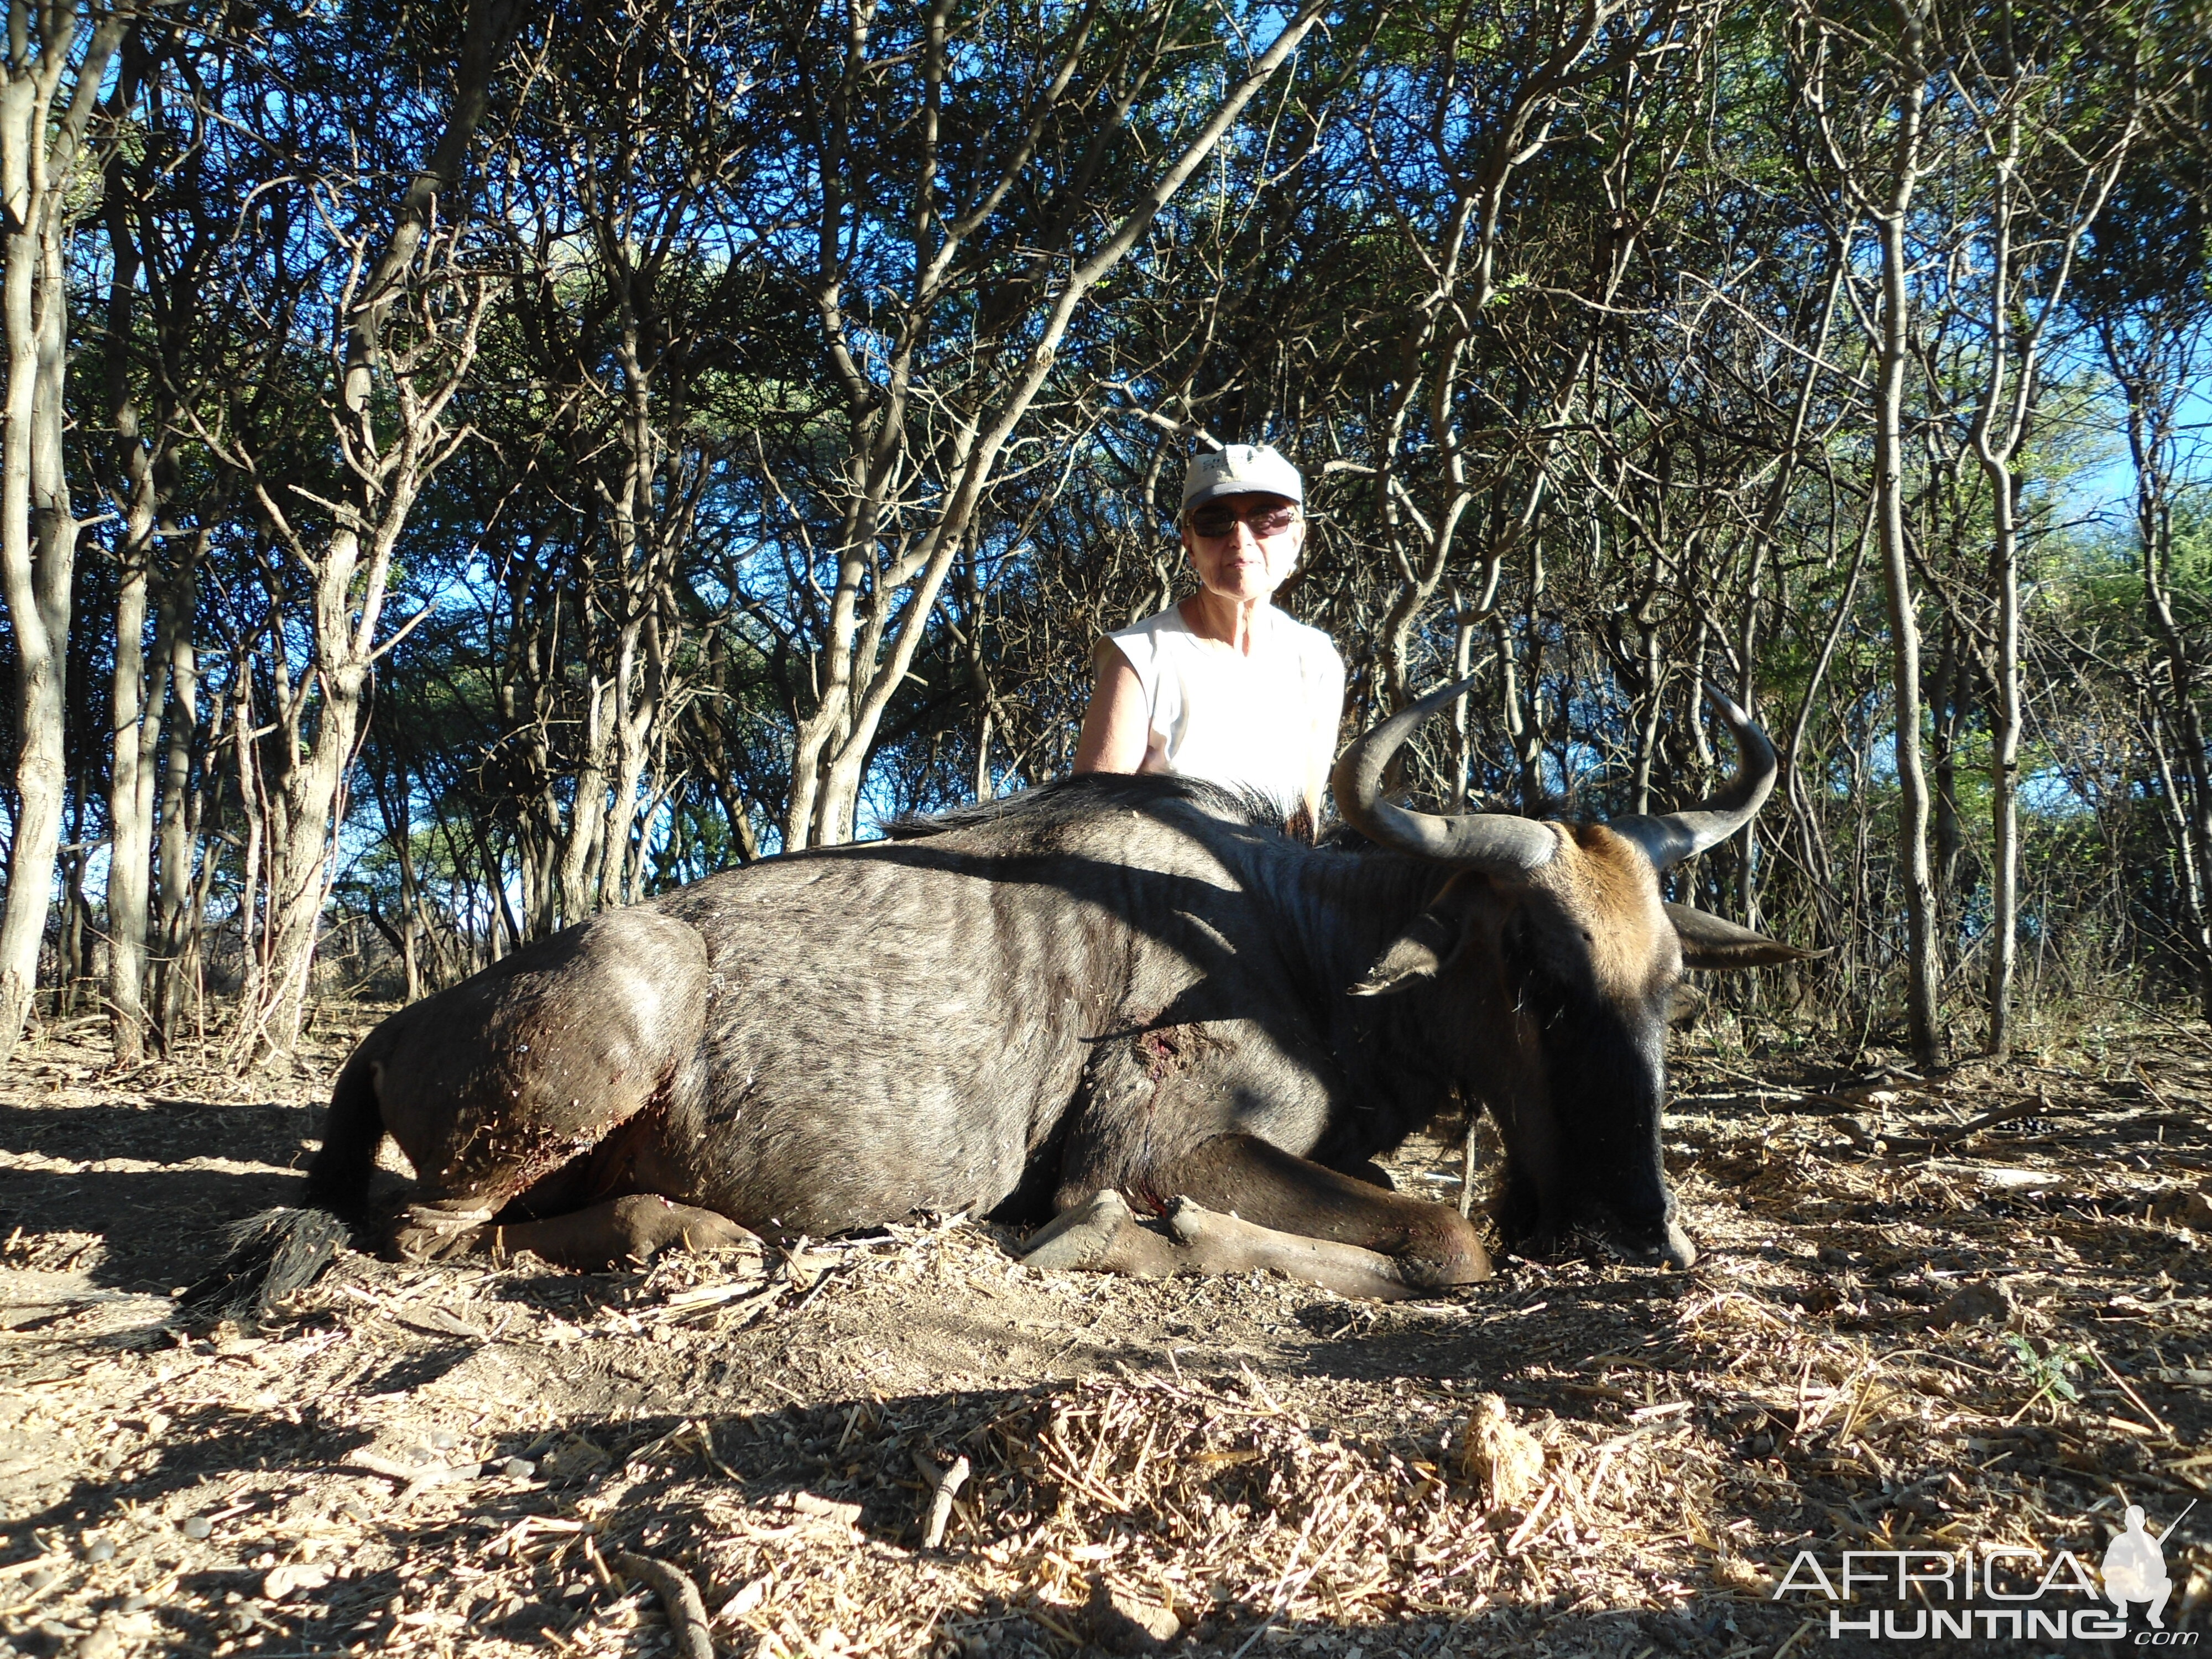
(1606, 1072)
(1106, 992)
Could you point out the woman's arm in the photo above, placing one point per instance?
(1116, 728)
(1329, 717)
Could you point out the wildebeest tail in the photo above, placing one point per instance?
(338, 1178)
(282, 1250)
(271, 1255)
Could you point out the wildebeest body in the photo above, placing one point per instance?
(1105, 987)
(1075, 992)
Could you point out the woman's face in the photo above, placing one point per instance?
(1241, 564)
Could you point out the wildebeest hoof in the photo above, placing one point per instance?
(1678, 1252)
(646, 1224)
(1081, 1237)
(1670, 1248)
(438, 1232)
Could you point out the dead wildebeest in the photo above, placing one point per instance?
(1106, 987)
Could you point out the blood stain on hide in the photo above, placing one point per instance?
(1169, 1049)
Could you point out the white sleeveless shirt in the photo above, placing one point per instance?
(1255, 721)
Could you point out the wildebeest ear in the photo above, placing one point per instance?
(1418, 953)
(1708, 942)
(1426, 945)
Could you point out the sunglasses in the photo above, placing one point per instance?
(1263, 521)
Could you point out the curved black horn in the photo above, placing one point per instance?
(1496, 841)
(1669, 838)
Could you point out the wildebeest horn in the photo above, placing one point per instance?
(1496, 841)
(1669, 838)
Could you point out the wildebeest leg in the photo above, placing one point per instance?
(1255, 1206)
(1102, 1235)
(1240, 1174)
(1368, 1171)
(517, 1085)
(1221, 1244)
(635, 1228)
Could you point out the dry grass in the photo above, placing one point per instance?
(1931, 1314)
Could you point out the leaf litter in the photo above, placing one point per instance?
(1931, 1313)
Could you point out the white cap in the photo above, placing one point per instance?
(1240, 469)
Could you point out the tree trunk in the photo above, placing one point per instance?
(1947, 702)
(2001, 426)
(130, 804)
(177, 965)
(1912, 806)
(41, 143)
(2004, 761)
(351, 567)
(135, 706)
(2193, 811)
(1463, 622)
(69, 969)
(587, 808)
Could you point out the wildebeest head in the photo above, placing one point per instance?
(1549, 961)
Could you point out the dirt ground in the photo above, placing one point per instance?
(1941, 1314)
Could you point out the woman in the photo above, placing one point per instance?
(1221, 685)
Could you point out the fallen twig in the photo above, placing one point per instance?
(825, 1508)
(679, 1599)
(2122, 1384)
(414, 1477)
(1967, 1130)
(2151, 1088)
(2170, 1023)
(945, 1486)
(1528, 1527)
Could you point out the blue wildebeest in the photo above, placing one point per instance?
(1105, 1000)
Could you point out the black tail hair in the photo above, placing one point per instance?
(279, 1251)
(271, 1255)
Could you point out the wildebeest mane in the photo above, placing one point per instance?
(1066, 800)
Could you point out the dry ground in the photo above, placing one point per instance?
(1902, 1334)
